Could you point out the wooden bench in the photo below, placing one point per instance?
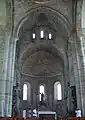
(10, 118)
(61, 118)
(72, 118)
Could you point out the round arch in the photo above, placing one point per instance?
(27, 92)
(57, 16)
(44, 9)
(57, 91)
(52, 50)
(34, 48)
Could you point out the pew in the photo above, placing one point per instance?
(61, 118)
(15, 118)
(72, 118)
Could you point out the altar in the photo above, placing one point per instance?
(47, 115)
(44, 112)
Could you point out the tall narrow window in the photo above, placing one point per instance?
(42, 92)
(57, 91)
(41, 34)
(24, 92)
(50, 36)
(33, 36)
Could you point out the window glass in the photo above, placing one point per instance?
(33, 36)
(41, 34)
(24, 92)
(50, 36)
(41, 91)
(57, 91)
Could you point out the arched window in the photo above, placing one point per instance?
(24, 92)
(41, 34)
(42, 91)
(57, 91)
(33, 36)
(50, 36)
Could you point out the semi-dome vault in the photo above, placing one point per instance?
(44, 16)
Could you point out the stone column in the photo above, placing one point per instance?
(32, 100)
(9, 58)
(5, 30)
(82, 69)
(66, 79)
(3, 69)
(71, 73)
(11, 75)
(50, 98)
(75, 57)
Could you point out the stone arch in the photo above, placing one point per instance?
(32, 48)
(44, 9)
(52, 50)
(59, 17)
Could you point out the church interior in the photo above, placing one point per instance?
(53, 83)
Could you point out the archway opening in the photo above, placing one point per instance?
(57, 91)
(42, 91)
(25, 92)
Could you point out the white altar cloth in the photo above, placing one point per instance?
(46, 113)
